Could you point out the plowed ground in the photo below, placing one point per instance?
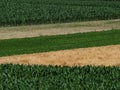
(57, 29)
(105, 55)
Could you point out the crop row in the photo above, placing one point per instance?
(16, 77)
(58, 42)
(20, 12)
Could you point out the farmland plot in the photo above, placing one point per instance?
(21, 12)
(57, 29)
(16, 77)
(58, 42)
(33, 77)
(97, 56)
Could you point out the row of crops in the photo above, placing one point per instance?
(58, 42)
(21, 12)
(20, 77)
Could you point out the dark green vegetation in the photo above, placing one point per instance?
(59, 42)
(21, 12)
(16, 77)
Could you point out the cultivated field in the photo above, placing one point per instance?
(95, 56)
(57, 29)
(21, 12)
(59, 44)
(54, 76)
(59, 78)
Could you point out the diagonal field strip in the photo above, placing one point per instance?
(105, 55)
(59, 42)
(57, 29)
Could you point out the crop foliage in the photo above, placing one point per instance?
(21, 12)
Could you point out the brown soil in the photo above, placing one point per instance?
(56, 29)
(106, 55)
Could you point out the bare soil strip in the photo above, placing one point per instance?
(57, 29)
(105, 55)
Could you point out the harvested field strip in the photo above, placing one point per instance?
(57, 29)
(60, 42)
(23, 77)
(106, 55)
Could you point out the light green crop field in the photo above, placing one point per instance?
(58, 42)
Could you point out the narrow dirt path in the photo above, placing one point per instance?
(105, 55)
(56, 29)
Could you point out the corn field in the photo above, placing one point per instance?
(20, 77)
(21, 12)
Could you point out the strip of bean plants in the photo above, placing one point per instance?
(58, 42)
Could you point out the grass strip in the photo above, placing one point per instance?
(20, 77)
(58, 42)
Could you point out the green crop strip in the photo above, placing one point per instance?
(20, 77)
(21, 12)
(58, 42)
